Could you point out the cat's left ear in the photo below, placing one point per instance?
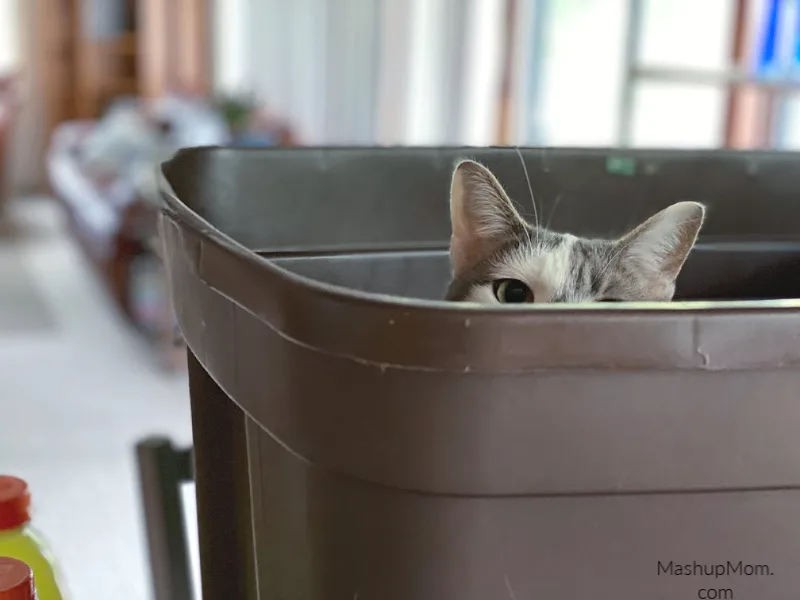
(658, 247)
(481, 215)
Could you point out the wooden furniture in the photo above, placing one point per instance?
(92, 51)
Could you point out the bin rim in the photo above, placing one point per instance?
(436, 336)
(176, 209)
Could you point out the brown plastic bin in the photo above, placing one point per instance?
(358, 439)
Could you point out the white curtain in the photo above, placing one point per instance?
(230, 38)
(411, 72)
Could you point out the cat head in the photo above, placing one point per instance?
(497, 257)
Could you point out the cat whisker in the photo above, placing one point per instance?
(530, 190)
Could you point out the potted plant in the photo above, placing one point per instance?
(236, 109)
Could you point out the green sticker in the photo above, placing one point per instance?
(621, 165)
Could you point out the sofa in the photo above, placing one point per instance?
(104, 173)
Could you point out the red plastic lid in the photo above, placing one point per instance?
(16, 580)
(15, 503)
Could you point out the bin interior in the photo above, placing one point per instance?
(721, 271)
(377, 220)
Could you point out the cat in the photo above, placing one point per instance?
(497, 257)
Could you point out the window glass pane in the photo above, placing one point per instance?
(687, 33)
(674, 115)
(581, 72)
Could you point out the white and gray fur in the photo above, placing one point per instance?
(492, 242)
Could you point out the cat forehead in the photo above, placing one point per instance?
(547, 250)
(548, 257)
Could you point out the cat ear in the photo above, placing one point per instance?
(481, 215)
(658, 247)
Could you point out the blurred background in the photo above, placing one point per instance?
(94, 93)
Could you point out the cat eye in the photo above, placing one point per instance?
(512, 291)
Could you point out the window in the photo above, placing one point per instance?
(613, 72)
(681, 36)
(9, 35)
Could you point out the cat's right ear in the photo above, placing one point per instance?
(658, 248)
(481, 215)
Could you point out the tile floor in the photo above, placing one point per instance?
(74, 401)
